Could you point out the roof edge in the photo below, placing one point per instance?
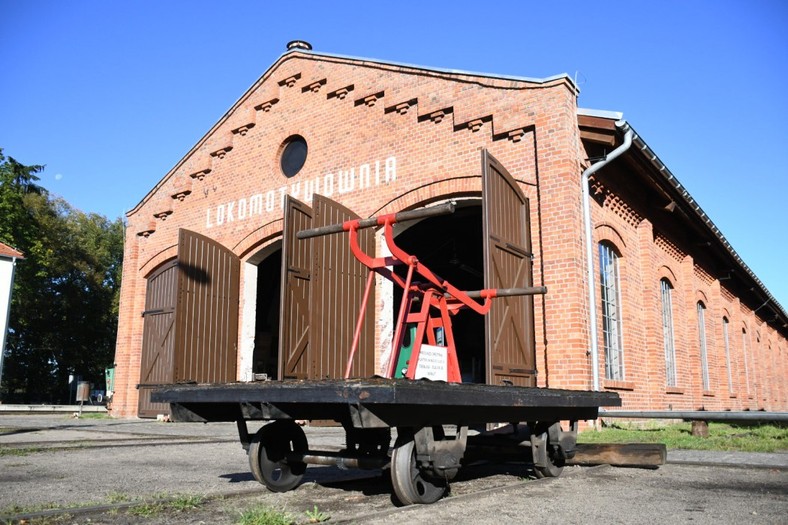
(670, 178)
(447, 71)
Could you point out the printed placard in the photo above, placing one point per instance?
(433, 363)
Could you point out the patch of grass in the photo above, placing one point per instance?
(13, 510)
(262, 515)
(185, 502)
(19, 451)
(117, 497)
(722, 436)
(147, 510)
(164, 502)
(94, 415)
(315, 516)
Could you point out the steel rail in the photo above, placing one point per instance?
(698, 415)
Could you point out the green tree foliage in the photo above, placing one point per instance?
(65, 300)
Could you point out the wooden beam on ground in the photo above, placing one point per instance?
(640, 455)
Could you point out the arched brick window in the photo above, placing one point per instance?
(666, 291)
(611, 311)
(727, 343)
(744, 352)
(704, 361)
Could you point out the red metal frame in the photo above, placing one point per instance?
(439, 301)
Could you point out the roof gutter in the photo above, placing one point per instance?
(589, 242)
(760, 288)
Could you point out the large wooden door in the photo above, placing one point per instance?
(158, 337)
(509, 327)
(338, 282)
(206, 316)
(294, 320)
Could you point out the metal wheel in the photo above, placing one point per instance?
(410, 485)
(268, 455)
(555, 464)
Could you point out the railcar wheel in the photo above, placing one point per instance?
(268, 455)
(410, 484)
(555, 462)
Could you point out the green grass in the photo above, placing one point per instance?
(315, 516)
(167, 503)
(94, 415)
(162, 502)
(262, 515)
(722, 436)
(19, 451)
(147, 510)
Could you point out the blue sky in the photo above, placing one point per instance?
(110, 95)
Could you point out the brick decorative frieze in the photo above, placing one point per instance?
(341, 93)
(664, 244)
(242, 130)
(290, 81)
(266, 106)
(221, 152)
(314, 87)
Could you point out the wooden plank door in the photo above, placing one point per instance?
(158, 337)
(294, 336)
(206, 316)
(338, 281)
(509, 327)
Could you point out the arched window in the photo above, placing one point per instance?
(704, 362)
(671, 377)
(726, 341)
(611, 312)
(746, 363)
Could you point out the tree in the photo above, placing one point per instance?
(65, 300)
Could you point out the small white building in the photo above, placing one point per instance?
(8, 257)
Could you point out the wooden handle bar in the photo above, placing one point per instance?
(510, 292)
(434, 211)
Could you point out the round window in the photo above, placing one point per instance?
(293, 155)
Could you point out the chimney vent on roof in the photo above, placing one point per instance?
(299, 44)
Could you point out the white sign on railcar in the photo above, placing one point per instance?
(433, 363)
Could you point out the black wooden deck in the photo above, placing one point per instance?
(378, 403)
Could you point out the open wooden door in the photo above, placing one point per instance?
(509, 327)
(296, 275)
(158, 337)
(206, 316)
(338, 282)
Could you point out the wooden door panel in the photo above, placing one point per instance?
(338, 282)
(510, 345)
(158, 340)
(294, 328)
(206, 317)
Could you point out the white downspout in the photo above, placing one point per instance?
(586, 196)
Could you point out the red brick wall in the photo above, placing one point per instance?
(647, 256)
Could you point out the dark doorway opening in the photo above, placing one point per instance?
(451, 246)
(266, 339)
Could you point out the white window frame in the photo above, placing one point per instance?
(726, 339)
(610, 287)
(671, 375)
(704, 360)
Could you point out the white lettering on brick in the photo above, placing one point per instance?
(342, 181)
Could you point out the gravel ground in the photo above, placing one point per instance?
(78, 462)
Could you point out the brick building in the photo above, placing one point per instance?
(673, 319)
